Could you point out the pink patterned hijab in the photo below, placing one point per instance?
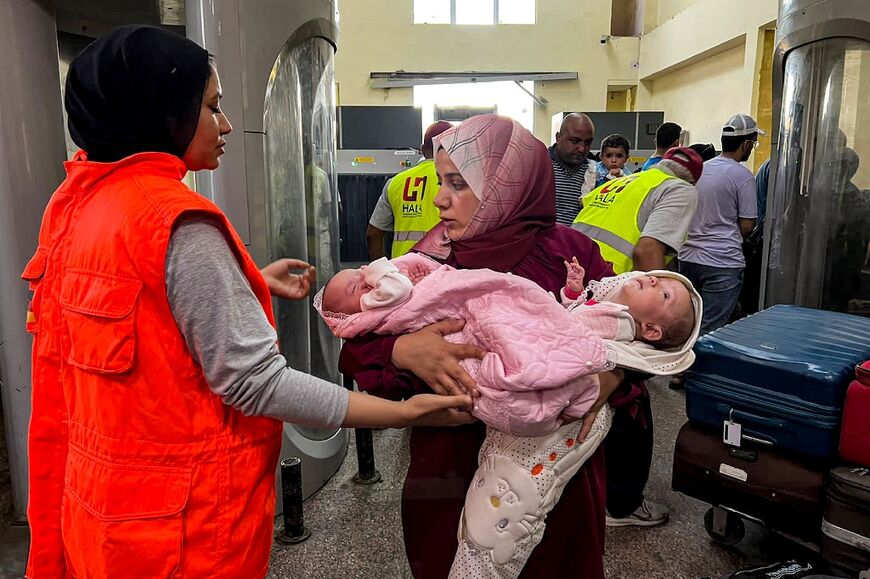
(510, 171)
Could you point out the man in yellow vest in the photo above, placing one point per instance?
(640, 221)
(406, 206)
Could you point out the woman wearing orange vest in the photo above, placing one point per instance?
(158, 388)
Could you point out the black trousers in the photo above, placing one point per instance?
(628, 451)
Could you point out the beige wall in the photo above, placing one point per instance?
(689, 49)
(763, 104)
(702, 96)
(704, 63)
(667, 9)
(379, 35)
(618, 102)
(853, 116)
(702, 29)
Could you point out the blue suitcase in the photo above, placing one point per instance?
(781, 374)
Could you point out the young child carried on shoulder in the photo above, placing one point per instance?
(614, 154)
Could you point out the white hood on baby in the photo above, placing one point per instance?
(639, 355)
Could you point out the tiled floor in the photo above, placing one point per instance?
(356, 531)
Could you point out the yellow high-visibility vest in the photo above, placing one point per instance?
(411, 194)
(609, 215)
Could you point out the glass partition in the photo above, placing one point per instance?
(317, 81)
(302, 198)
(820, 204)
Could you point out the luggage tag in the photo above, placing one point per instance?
(731, 431)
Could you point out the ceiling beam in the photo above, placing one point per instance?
(402, 79)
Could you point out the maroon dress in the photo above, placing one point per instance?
(444, 459)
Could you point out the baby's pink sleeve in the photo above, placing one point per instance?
(581, 402)
(606, 320)
(536, 413)
(569, 297)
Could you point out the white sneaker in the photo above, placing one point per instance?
(648, 514)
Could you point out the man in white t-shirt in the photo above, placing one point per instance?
(712, 257)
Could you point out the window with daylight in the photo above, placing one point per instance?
(486, 12)
(505, 98)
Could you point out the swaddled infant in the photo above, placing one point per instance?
(539, 373)
(658, 310)
(541, 357)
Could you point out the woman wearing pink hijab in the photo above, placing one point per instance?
(498, 210)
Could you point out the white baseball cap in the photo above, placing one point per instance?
(740, 126)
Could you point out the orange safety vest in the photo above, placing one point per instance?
(136, 468)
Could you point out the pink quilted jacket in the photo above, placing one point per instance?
(540, 361)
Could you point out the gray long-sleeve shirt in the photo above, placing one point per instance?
(228, 334)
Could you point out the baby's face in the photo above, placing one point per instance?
(653, 300)
(343, 292)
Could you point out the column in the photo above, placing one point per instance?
(31, 154)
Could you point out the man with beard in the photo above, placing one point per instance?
(712, 257)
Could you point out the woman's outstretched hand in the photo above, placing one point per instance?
(435, 361)
(366, 411)
(435, 410)
(283, 283)
(609, 382)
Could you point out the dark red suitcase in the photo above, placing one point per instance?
(855, 435)
(755, 480)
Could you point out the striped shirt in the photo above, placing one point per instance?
(569, 185)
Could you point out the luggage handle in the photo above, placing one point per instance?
(742, 417)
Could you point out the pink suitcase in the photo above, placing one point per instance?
(855, 434)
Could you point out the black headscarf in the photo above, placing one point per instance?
(136, 89)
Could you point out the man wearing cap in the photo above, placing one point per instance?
(406, 206)
(639, 222)
(712, 256)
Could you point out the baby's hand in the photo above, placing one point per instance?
(576, 273)
(416, 272)
(616, 172)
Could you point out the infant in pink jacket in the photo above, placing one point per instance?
(542, 358)
(540, 370)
